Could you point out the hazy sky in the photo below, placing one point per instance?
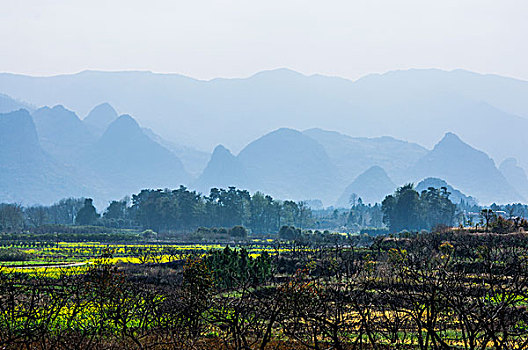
(206, 39)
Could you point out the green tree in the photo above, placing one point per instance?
(436, 209)
(402, 209)
(87, 215)
(116, 210)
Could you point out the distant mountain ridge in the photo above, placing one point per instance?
(8, 104)
(313, 164)
(371, 186)
(61, 133)
(284, 163)
(127, 160)
(354, 155)
(52, 154)
(468, 169)
(28, 174)
(100, 117)
(193, 159)
(418, 105)
(222, 171)
(515, 175)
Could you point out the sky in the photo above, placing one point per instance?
(208, 39)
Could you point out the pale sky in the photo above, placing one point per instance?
(207, 39)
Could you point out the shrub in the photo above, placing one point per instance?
(149, 234)
(238, 231)
(290, 232)
(502, 225)
(12, 254)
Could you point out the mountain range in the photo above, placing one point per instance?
(28, 174)
(489, 112)
(107, 155)
(371, 186)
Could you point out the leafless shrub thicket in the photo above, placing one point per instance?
(437, 291)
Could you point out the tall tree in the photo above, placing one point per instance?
(402, 209)
(87, 215)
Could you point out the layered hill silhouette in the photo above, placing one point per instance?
(52, 154)
(354, 155)
(515, 175)
(455, 196)
(371, 186)
(62, 134)
(468, 169)
(222, 171)
(54, 147)
(28, 174)
(127, 160)
(193, 159)
(414, 105)
(289, 164)
(8, 104)
(100, 117)
(284, 163)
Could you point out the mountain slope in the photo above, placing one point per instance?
(515, 175)
(415, 105)
(100, 117)
(354, 155)
(27, 174)
(8, 104)
(127, 160)
(289, 164)
(222, 170)
(62, 134)
(194, 161)
(466, 168)
(284, 163)
(371, 186)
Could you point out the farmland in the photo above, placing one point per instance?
(63, 255)
(441, 290)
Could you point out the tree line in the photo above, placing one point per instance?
(184, 210)
(179, 210)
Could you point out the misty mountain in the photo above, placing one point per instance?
(222, 170)
(371, 186)
(288, 164)
(62, 134)
(284, 163)
(466, 168)
(8, 104)
(27, 174)
(194, 161)
(100, 117)
(456, 196)
(414, 105)
(354, 155)
(515, 175)
(127, 160)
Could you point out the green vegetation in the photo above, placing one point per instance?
(443, 290)
(409, 210)
(179, 270)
